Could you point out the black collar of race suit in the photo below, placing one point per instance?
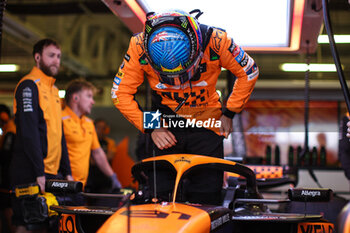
(206, 32)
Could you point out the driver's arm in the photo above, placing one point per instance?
(126, 82)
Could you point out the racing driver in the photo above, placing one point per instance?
(182, 60)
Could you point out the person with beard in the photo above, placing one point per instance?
(40, 151)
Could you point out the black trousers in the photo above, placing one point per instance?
(202, 185)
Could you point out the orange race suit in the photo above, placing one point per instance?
(203, 101)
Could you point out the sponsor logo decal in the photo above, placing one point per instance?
(122, 65)
(213, 55)
(244, 62)
(217, 40)
(59, 184)
(27, 100)
(310, 193)
(148, 28)
(182, 159)
(127, 57)
(236, 51)
(161, 86)
(240, 55)
(115, 87)
(319, 227)
(219, 221)
(117, 80)
(143, 60)
(253, 72)
(120, 74)
(232, 46)
(115, 101)
(249, 65)
(184, 23)
(114, 95)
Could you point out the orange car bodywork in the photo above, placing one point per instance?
(169, 217)
(190, 218)
(186, 161)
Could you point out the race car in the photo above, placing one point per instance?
(243, 208)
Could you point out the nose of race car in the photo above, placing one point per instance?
(170, 217)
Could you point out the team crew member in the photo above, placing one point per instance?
(81, 135)
(182, 61)
(40, 147)
(108, 144)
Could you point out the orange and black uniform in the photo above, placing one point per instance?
(40, 146)
(81, 138)
(201, 101)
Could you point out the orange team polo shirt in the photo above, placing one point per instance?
(81, 138)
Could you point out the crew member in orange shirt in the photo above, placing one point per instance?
(80, 133)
